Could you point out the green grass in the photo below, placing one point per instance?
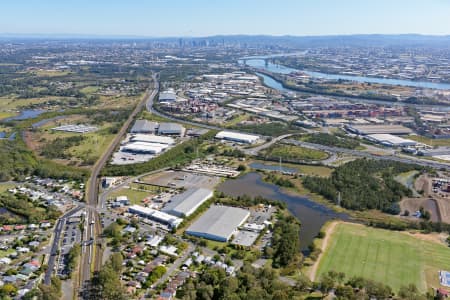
(4, 253)
(391, 257)
(135, 196)
(6, 186)
(428, 141)
(296, 153)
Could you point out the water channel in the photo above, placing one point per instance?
(311, 214)
(260, 63)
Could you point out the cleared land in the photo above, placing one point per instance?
(293, 153)
(394, 258)
(428, 141)
(135, 196)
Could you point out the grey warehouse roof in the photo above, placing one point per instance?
(144, 126)
(186, 203)
(164, 127)
(219, 222)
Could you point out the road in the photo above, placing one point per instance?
(421, 162)
(93, 252)
(55, 243)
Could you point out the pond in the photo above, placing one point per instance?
(312, 215)
(26, 114)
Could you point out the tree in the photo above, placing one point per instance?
(241, 168)
(116, 262)
(8, 290)
(410, 292)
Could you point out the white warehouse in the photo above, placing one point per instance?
(155, 215)
(153, 139)
(144, 148)
(237, 137)
(184, 204)
(219, 223)
(390, 140)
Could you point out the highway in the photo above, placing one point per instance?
(93, 252)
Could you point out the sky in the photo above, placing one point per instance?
(163, 18)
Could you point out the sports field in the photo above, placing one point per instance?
(391, 257)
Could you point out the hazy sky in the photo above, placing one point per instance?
(210, 17)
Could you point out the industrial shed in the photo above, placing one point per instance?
(184, 204)
(379, 129)
(237, 137)
(153, 139)
(155, 215)
(390, 140)
(171, 129)
(144, 148)
(144, 126)
(219, 223)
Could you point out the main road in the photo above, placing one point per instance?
(93, 252)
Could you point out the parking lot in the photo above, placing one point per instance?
(181, 179)
(71, 235)
(245, 238)
(126, 158)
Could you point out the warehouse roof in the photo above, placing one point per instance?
(391, 139)
(144, 126)
(186, 203)
(168, 95)
(144, 147)
(373, 129)
(164, 127)
(219, 222)
(150, 138)
(237, 136)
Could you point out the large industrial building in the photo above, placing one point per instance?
(144, 126)
(153, 139)
(171, 129)
(219, 223)
(143, 148)
(390, 140)
(168, 96)
(184, 204)
(237, 137)
(378, 129)
(155, 215)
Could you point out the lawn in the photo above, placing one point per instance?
(428, 141)
(294, 153)
(391, 257)
(135, 196)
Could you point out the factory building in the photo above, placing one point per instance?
(144, 148)
(184, 204)
(237, 137)
(378, 129)
(219, 223)
(152, 139)
(168, 96)
(155, 215)
(144, 126)
(390, 140)
(171, 129)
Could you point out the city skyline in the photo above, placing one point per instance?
(180, 19)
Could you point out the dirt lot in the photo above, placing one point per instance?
(180, 179)
(414, 204)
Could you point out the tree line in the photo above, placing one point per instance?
(364, 184)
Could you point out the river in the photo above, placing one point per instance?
(260, 63)
(311, 214)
